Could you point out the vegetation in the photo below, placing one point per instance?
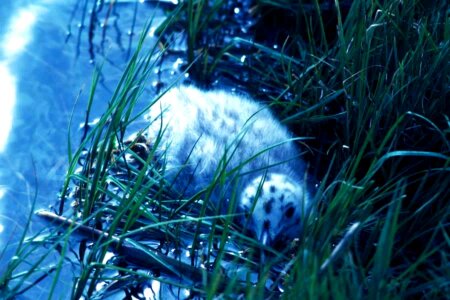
(368, 81)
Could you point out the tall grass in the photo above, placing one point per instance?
(367, 80)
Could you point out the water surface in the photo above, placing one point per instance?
(46, 67)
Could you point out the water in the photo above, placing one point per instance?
(43, 70)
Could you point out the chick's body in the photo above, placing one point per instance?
(206, 131)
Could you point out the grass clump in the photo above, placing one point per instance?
(367, 80)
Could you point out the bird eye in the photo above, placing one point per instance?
(289, 212)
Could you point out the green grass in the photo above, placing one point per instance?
(368, 81)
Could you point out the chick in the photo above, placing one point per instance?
(205, 132)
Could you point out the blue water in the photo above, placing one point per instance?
(42, 72)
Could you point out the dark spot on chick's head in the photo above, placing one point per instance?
(268, 205)
(273, 189)
(290, 212)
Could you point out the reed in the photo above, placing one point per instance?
(368, 81)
